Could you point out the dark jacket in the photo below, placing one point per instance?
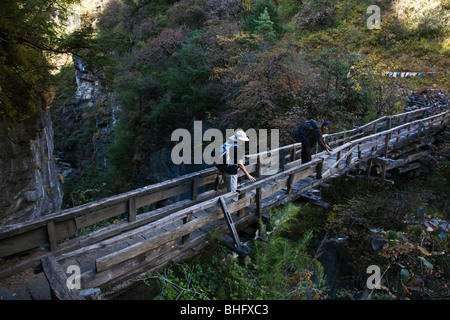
(316, 136)
(229, 153)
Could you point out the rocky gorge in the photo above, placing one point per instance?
(29, 178)
(85, 133)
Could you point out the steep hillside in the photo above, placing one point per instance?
(29, 39)
(250, 64)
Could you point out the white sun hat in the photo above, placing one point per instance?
(240, 135)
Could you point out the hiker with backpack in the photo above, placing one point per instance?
(231, 159)
(308, 133)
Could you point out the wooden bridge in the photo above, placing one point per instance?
(146, 237)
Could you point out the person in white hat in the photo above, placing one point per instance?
(231, 159)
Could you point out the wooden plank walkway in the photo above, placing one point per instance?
(146, 238)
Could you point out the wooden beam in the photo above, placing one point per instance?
(238, 246)
(37, 233)
(187, 219)
(57, 280)
(319, 169)
(103, 203)
(290, 182)
(91, 241)
(313, 199)
(51, 235)
(132, 209)
(106, 262)
(194, 189)
(241, 196)
(407, 168)
(137, 249)
(259, 210)
(294, 154)
(370, 168)
(329, 171)
(279, 185)
(151, 261)
(282, 158)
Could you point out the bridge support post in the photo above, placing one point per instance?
(187, 219)
(238, 246)
(57, 280)
(194, 188)
(385, 151)
(293, 154)
(51, 233)
(282, 159)
(319, 169)
(241, 196)
(388, 123)
(259, 211)
(290, 183)
(132, 209)
(258, 167)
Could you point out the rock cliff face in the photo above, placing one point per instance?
(29, 182)
(89, 122)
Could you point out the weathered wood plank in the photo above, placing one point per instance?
(100, 215)
(156, 241)
(65, 227)
(251, 187)
(237, 246)
(162, 195)
(154, 260)
(259, 206)
(337, 163)
(305, 173)
(7, 231)
(131, 209)
(96, 239)
(194, 188)
(57, 280)
(108, 261)
(274, 188)
(23, 242)
(129, 268)
(51, 235)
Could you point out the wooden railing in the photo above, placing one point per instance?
(60, 231)
(56, 227)
(348, 154)
(380, 124)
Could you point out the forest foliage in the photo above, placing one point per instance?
(254, 64)
(32, 35)
(278, 267)
(231, 63)
(248, 64)
(258, 64)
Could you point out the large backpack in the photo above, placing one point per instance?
(304, 130)
(224, 167)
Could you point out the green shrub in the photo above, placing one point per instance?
(252, 22)
(277, 269)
